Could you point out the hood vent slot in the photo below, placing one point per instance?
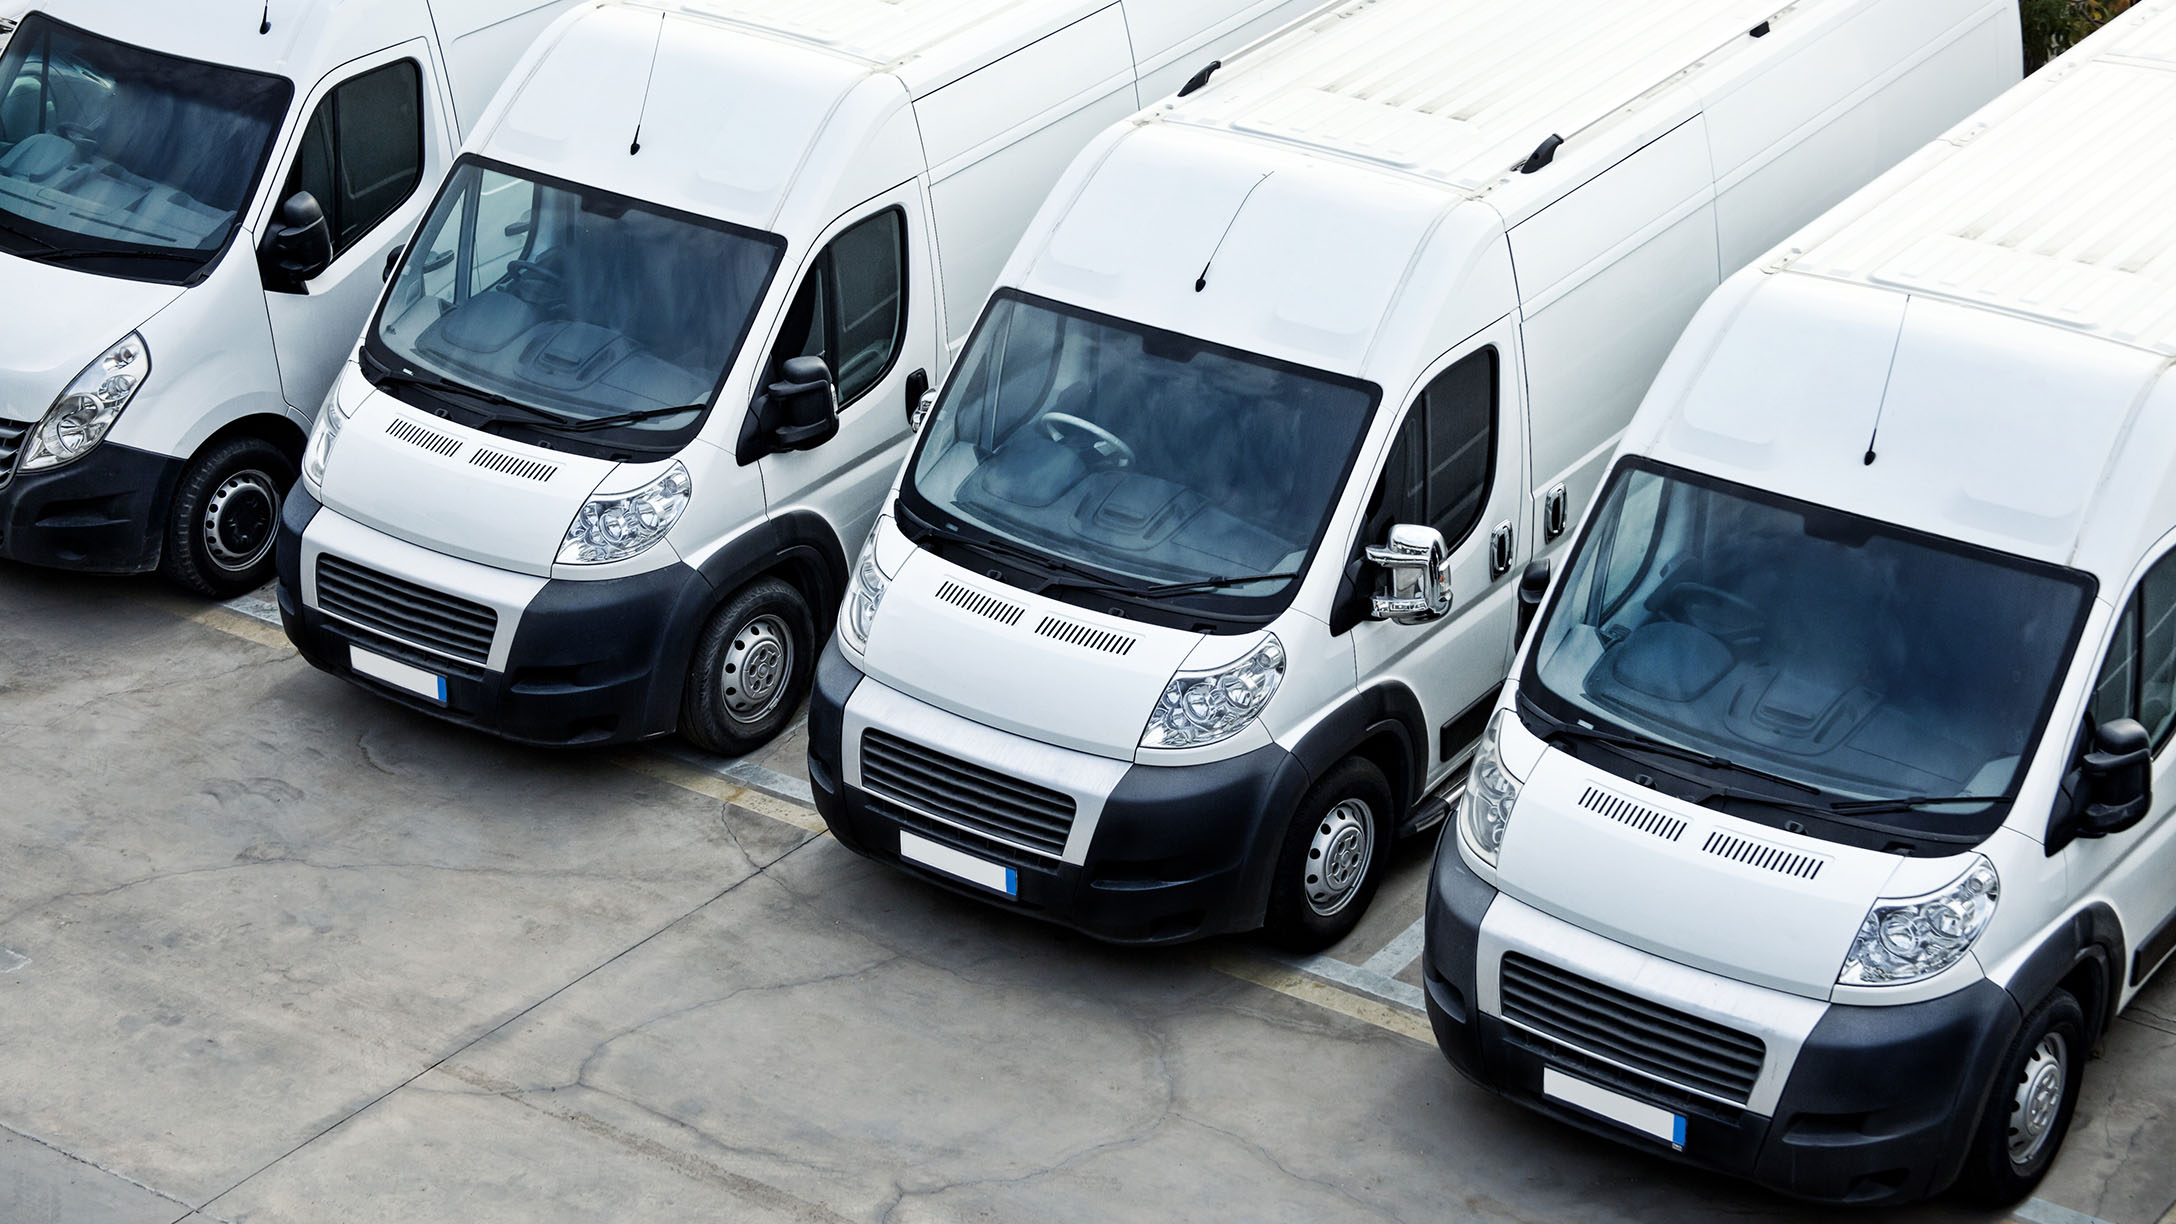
(1084, 637)
(415, 435)
(1007, 614)
(1635, 815)
(513, 465)
(1764, 856)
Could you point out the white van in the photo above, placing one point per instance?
(1202, 579)
(197, 202)
(643, 379)
(1826, 824)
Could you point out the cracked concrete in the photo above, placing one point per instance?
(295, 955)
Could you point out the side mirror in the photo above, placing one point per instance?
(2118, 777)
(922, 409)
(392, 260)
(798, 412)
(1533, 588)
(299, 247)
(1415, 586)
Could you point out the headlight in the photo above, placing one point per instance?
(79, 419)
(1907, 939)
(616, 526)
(1491, 792)
(322, 436)
(1200, 708)
(863, 595)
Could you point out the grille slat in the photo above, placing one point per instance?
(405, 610)
(981, 604)
(1072, 633)
(1635, 815)
(1763, 856)
(415, 435)
(980, 799)
(512, 465)
(12, 434)
(1671, 1045)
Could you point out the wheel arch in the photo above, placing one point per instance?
(799, 548)
(278, 430)
(1384, 725)
(2084, 954)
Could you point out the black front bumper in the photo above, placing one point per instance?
(1879, 1107)
(103, 514)
(593, 663)
(1179, 853)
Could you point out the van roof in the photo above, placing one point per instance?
(1461, 93)
(929, 42)
(2052, 205)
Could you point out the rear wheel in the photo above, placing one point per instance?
(226, 518)
(1332, 858)
(2028, 1113)
(752, 669)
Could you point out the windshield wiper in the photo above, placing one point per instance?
(1006, 548)
(1641, 743)
(1168, 589)
(1907, 803)
(627, 418)
(58, 255)
(441, 386)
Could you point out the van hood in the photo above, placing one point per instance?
(1684, 882)
(54, 321)
(1032, 666)
(455, 490)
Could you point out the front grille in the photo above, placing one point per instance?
(12, 434)
(1647, 1037)
(405, 611)
(979, 799)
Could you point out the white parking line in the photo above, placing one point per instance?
(1399, 952)
(255, 605)
(1370, 982)
(2041, 1211)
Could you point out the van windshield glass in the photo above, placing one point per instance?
(1863, 662)
(580, 309)
(1142, 462)
(126, 161)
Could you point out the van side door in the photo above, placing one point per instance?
(2135, 870)
(1457, 463)
(863, 301)
(374, 137)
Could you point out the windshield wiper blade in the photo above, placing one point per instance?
(1908, 802)
(1205, 584)
(441, 386)
(1006, 548)
(58, 255)
(1641, 743)
(627, 418)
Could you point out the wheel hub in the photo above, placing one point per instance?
(1338, 856)
(2039, 1099)
(239, 520)
(756, 669)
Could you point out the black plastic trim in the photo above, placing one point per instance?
(1388, 709)
(103, 514)
(802, 540)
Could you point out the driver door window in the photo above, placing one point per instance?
(851, 309)
(2138, 679)
(361, 154)
(1438, 473)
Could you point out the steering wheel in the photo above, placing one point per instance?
(1056, 425)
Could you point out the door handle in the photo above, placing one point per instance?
(917, 387)
(1502, 551)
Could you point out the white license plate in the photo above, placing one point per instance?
(1650, 1120)
(398, 674)
(960, 866)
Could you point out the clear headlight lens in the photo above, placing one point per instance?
(322, 436)
(1491, 792)
(863, 594)
(80, 418)
(1906, 939)
(616, 526)
(1199, 708)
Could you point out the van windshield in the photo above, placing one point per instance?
(104, 160)
(1136, 462)
(570, 310)
(1859, 663)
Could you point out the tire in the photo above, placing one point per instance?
(1344, 823)
(766, 635)
(225, 518)
(2029, 1108)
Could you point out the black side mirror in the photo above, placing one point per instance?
(1533, 587)
(2118, 777)
(392, 260)
(798, 412)
(299, 247)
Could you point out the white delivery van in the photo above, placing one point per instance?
(197, 202)
(1203, 577)
(1826, 824)
(642, 381)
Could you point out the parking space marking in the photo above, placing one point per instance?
(2041, 1211)
(11, 960)
(669, 768)
(746, 773)
(1297, 985)
(1401, 951)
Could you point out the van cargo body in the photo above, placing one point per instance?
(1825, 826)
(597, 468)
(1205, 573)
(197, 203)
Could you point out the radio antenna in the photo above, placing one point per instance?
(635, 146)
(265, 27)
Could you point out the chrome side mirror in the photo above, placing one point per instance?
(921, 409)
(1415, 587)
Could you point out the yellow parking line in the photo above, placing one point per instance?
(215, 616)
(1322, 994)
(703, 782)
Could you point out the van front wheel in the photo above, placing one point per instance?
(2028, 1111)
(752, 669)
(1332, 858)
(226, 518)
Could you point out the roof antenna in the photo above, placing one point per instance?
(266, 26)
(635, 146)
(1203, 282)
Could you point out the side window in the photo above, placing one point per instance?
(361, 154)
(2138, 678)
(1460, 406)
(2115, 695)
(852, 309)
(1633, 540)
(505, 216)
